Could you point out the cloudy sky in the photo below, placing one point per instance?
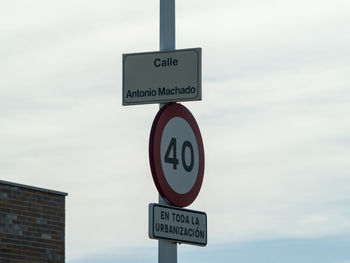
(274, 120)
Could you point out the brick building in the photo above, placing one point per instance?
(32, 224)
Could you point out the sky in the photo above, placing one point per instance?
(273, 117)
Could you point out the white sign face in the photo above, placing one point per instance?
(159, 77)
(179, 150)
(178, 224)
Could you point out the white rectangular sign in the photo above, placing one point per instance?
(160, 77)
(177, 224)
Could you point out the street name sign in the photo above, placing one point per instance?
(177, 224)
(176, 155)
(162, 77)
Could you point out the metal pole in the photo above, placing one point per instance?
(167, 250)
(167, 25)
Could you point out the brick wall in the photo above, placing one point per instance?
(32, 224)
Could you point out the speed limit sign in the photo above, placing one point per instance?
(176, 155)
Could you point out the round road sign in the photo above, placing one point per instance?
(176, 155)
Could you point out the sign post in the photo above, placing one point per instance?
(176, 152)
(167, 250)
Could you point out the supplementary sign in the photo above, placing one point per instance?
(176, 155)
(159, 77)
(178, 224)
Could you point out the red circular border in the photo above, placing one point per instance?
(164, 115)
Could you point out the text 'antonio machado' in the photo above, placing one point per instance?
(161, 92)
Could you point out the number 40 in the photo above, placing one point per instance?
(173, 160)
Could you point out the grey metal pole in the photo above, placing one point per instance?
(167, 250)
(167, 25)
